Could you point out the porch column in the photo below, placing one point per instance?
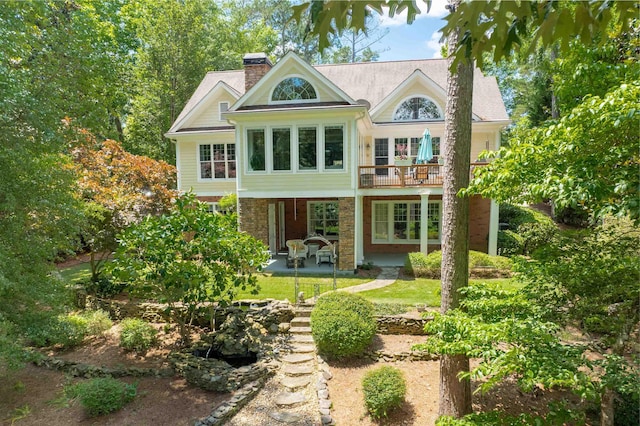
(347, 226)
(424, 223)
(493, 228)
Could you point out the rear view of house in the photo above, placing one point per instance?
(350, 152)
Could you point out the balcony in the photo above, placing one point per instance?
(415, 175)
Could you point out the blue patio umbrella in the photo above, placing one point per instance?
(425, 150)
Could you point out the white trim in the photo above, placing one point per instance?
(303, 193)
(196, 108)
(412, 96)
(212, 179)
(291, 56)
(494, 213)
(293, 101)
(310, 231)
(427, 82)
(178, 173)
(220, 111)
(296, 154)
(390, 239)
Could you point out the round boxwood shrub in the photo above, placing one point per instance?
(342, 324)
(384, 389)
(104, 395)
(137, 335)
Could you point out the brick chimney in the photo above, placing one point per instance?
(256, 65)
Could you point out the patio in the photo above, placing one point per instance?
(279, 264)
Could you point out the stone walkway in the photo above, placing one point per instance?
(387, 276)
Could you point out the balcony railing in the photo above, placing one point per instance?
(415, 175)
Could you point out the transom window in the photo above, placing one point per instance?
(293, 89)
(323, 218)
(400, 222)
(417, 108)
(217, 161)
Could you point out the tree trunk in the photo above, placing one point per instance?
(455, 395)
(607, 407)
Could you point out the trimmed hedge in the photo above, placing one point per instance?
(342, 324)
(481, 265)
(384, 389)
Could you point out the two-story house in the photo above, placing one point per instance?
(331, 150)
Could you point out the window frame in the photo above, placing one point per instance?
(293, 101)
(312, 229)
(247, 161)
(390, 204)
(212, 161)
(323, 147)
(220, 111)
(408, 98)
(316, 128)
(272, 147)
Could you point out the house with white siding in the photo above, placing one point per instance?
(331, 150)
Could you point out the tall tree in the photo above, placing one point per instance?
(477, 27)
(180, 41)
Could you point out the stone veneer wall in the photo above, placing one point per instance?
(253, 217)
(347, 224)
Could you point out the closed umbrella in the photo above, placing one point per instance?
(425, 150)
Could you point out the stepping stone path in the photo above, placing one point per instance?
(302, 374)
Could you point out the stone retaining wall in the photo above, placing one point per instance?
(78, 369)
(268, 313)
(384, 356)
(398, 324)
(215, 375)
(228, 409)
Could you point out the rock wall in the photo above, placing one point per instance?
(398, 324)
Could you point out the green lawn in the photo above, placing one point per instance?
(76, 273)
(280, 287)
(410, 291)
(272, 286)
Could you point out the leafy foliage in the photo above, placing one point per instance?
(137, 335)
(587, 159)
(104, 395)
(342, 324)
(188, 256)
(384, 389)
(529, 230)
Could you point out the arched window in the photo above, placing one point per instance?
(417, 109)
(293, 89)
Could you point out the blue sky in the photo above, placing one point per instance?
(419, 40)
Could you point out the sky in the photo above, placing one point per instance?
(420, 40)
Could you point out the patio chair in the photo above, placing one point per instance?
(297, 248)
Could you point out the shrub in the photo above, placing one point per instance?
(67, 331)
(104, 395)
(103, 286)
(384, 389)
(528, 230)
(137, 335)
(342, 324)
(94, 322)
(481, 265)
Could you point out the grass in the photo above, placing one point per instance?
(272, 286)
(410, 291)
(76, 273)
(280, 287)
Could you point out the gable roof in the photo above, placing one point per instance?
(372, 81)
(289, 58)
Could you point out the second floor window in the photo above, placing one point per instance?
(293, 89)
(217, 161)
(416, 109)
(333, 147)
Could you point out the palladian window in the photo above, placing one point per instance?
(293, 89)
(417, 109)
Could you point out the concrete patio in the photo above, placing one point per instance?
(278, 264)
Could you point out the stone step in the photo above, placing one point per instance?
(297, 358)
(300, 322)
(294, 383)
(294, 370)
(300, 348)
(290, 399)
(286, 417)
(300, 330)
(301, 338)
(304, 312)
